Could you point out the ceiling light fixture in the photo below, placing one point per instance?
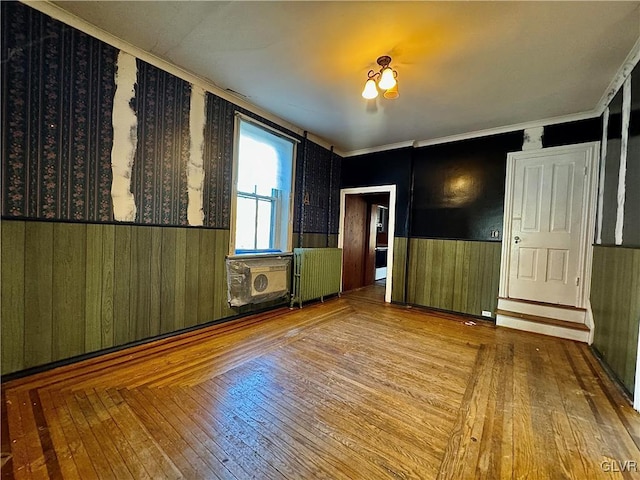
(387, 80)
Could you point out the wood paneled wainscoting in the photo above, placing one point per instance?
(399, 269)
(456, 275)
(349, 389)
(615, 300)
(71, 288)
(315, 240)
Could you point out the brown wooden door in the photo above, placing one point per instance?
(356, 225)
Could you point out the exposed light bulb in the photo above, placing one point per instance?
(370, 90)
(387, 79)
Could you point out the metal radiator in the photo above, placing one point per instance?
(316, 273)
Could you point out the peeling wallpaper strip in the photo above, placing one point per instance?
(533, 138)
(195, 167)
(626, 114)
(125, 139)
(603, 162)
(60, 158)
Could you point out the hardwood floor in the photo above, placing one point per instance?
(348, 389)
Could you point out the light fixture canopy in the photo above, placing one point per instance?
(387, 80)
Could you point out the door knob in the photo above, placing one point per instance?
(516, 239)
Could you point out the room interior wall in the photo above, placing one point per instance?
(445, 256)
(58, 89)
(454, 275)
(390, 167)
(615, 285)
(57, 101)
(459, 187)
(456, 223)
(571, 133)
(611, 171)
(73, 288)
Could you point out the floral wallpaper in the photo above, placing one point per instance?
(57, 97)
(319, 202)
(218, 161)
(58, 86)
(158, 180)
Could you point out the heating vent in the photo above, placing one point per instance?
(317, 273)
(257, 279)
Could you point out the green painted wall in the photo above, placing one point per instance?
(456, 275)
(70, 288)
(615, 301)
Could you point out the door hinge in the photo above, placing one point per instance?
(577, 281)
(585, 170)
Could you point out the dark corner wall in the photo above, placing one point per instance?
(74, 279)
(449, 215)
(615, 284)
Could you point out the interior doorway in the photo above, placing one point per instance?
(367, 224)
(549, 220)
(549, 212)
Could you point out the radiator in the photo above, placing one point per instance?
(316, 273)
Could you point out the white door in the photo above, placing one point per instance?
(547, 224)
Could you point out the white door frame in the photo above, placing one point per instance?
(391, 190)
(588, 216)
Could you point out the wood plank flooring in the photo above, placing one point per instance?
(348, 389)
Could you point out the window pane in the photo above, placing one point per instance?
(257, 166)
(245, 223)
(264, 224)
(265, 163)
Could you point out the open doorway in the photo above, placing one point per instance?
(367, 221)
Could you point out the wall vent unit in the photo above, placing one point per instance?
(261, 279)
(266, 280)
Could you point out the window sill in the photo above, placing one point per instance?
(259, 254)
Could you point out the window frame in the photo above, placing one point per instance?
(275, 207)
(278, 204)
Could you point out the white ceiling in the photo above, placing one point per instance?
(462, 66)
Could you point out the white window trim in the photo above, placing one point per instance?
(241, 117)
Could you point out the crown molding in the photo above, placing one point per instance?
(509, 128)
(632, 59)
(623, 72)
(477, 134)
(58, 13)
(379, 148)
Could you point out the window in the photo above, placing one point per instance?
(264, 165)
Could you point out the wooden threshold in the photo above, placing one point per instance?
(544, 304)
(544, 320)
